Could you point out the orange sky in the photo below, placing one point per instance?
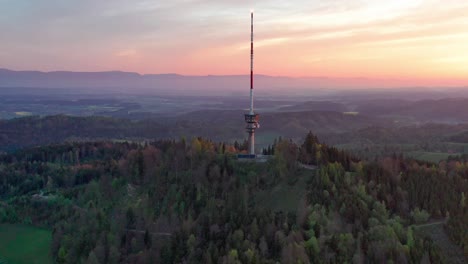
(412, 39)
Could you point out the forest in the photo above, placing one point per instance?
(192, 201)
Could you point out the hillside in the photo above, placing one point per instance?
(191, 201)
(409, 111)
(411, 134)
(446, 110)
(217, 125)
(34, 131)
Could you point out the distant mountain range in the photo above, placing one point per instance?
(175, 84)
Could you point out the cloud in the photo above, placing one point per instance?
(126, 53)
(213, 35)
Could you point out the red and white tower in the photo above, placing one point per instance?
(251, 118)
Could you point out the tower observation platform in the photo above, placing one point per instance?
(252, 124)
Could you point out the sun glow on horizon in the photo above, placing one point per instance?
(418, 39)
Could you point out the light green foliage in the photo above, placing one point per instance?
(233, 257)
(345, 246)
(382, 241)
(238, 238)
(419, 216)
(62, 255)
(324, 178)
(191, 243)
(380, 212)
(318, 217)
(382, 233)
(254, 230)
(462, 200)
(285, 158)
(373, 222)
(92, 194)
(410, 238)
(360, 191)
(312, 246)
(249, 254)
(398, 228)
(196, 146)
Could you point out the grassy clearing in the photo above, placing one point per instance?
(24, 244)
(23, 113)
(285, 197)
(430, 156)
(101, 108)
(351, 113)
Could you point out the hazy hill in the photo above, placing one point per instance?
(157, 83)
(444, 110)
(429, 133)
(216, 125)
(381, 106)
(447, 110)
(33, 131)
(434, 110)
(219, 124)
(129, 82)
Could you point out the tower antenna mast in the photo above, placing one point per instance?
(251, 62)
(251, 118)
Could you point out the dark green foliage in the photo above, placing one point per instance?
(191, 201)
(33, 131)
(316, 153)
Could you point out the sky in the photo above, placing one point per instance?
(413, 39)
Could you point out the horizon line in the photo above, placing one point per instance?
(232, 75)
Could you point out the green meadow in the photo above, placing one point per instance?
(24, 244)
(430, 156)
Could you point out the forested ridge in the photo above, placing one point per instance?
(191, 201)
(38, 131)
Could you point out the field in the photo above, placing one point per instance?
(24, 244)
(430, 156)
(23, 113)
(285, 197)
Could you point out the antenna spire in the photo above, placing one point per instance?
(251, 61)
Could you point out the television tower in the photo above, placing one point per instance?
(251, 118)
